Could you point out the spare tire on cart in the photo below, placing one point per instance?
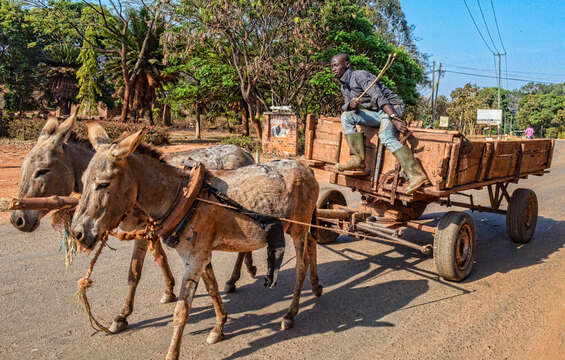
(455, 245)
(326, 200)
(522, 215)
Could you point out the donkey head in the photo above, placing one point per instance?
(46, 171)
(109, 190)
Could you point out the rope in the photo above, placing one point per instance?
(85, 282)
(339, 231)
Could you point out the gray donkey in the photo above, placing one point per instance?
(54, 166)
(119, 179)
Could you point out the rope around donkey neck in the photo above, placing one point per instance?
(85, 282)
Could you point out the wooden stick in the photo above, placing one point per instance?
(43, 203)
(389, 61)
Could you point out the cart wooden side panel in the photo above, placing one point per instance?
(450, 161)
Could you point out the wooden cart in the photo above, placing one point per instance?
(452, 163)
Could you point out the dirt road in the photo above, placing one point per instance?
(379, 302)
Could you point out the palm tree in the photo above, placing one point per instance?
(148, 78)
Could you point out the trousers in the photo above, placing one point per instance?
(380, 119)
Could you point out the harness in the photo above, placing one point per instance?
(173, 224)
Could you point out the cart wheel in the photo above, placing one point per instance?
(454, 246)
(522, 215)
(327, 198)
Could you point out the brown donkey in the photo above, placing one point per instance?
(118, 179)
(54, 166)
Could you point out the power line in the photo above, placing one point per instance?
(486, 26)
(511, 71)
(495, 77)
(497, 28)
(476, 27)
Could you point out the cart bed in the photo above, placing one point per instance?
(451, 161)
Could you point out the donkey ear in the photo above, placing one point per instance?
(49, 127)
(64, 130)
(97, 135)
(128, 145)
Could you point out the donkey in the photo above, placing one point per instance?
(119, 178)
(54, 166)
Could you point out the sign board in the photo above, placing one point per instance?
(444, 121)
(489, 117)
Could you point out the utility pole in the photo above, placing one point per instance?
(499, 72)
(435, 100)
(430, 125)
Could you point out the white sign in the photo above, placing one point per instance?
(487, 116)
(444, 121)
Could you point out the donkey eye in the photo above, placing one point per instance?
(40, 173)
(102, 185)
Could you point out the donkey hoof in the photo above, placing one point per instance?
(229, 288)
(215, 337)
(318, 292)
(253, 271)
(168, 298)
(287, 323)
(118, 326)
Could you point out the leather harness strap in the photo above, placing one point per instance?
(186, 202)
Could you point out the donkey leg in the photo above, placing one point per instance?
(161, 258)
(301, 264)
(251, 269)
(136, 265)
(217, 334)
(193, 271)
(229, 287)
(317, 288)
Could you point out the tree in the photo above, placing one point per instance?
(20, 52)
(88, 74)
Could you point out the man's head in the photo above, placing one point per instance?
(340, 63)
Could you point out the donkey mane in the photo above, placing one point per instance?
(144, 148)
(77, 139)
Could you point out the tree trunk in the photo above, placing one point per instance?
(198, 122)
(126, 101)
(244, 118)
(166, 116)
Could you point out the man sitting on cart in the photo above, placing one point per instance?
(379, 107)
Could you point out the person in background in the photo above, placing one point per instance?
(529, 132)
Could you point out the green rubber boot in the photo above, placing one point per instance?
(412, 168)
(356, 152)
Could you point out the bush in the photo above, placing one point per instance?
(155, 135)
(24, 128)
(246, 142)
(29, 129)
(4, 126)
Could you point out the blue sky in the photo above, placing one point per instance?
(533, 33)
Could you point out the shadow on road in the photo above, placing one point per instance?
(351, 278)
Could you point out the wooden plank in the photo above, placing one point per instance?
(452, 172)
(469, 163)
(324, 152)
(485, 160)
(504, 159)
(477, 185)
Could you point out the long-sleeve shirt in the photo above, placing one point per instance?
(353, 83)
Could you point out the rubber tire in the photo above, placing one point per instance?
(516, 228)
(449, 228)
(327, 198)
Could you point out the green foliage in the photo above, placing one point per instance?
(246, 142)
(349, 31)
(88, 73)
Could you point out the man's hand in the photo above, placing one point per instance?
(354, 103)
(399, 124)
